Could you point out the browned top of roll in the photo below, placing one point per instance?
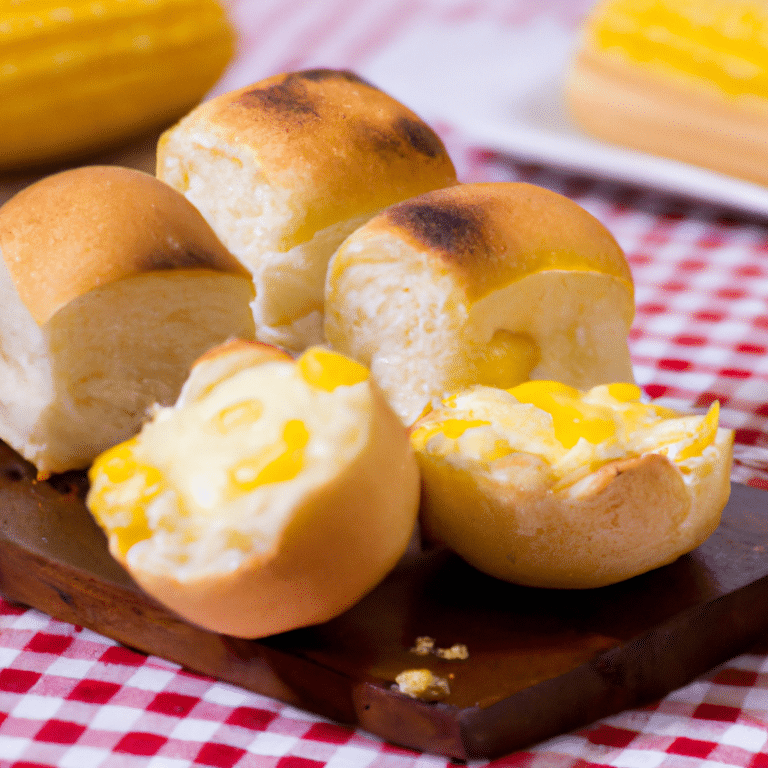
(492, 234)
(343, 146)
(86, 227)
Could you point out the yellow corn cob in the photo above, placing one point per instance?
(720, 42)
(81, 75)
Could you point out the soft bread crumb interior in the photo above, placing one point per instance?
(208, 514)
(255, 221)
(213, 174)
(26, 382)
(117, 350)
(386, 308)
(580, 322)
(389, 306)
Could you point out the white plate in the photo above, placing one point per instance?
(501, 86)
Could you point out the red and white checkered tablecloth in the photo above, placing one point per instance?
(73, 699)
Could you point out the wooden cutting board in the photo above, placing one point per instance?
(541, 662)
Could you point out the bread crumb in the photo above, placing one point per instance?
(423, 684)
(425, 645)
(456, 651)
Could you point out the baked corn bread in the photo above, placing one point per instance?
(286, 168)
(274, 494)
(489, 283)
(111, 285)
(548, 486)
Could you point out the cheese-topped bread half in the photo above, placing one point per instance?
(274, 494)
(111, 285)
(548, 486)
(285, 168)
(488, 283)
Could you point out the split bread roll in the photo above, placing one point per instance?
(286, 168)
(111, 285)
(547, 486)
(490, 283)
(273, 495)
(682, 79)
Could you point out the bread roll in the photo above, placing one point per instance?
(680, 79)
(111, 284)
(284, 169)
(547, 486)
(490, 283)
(273, 495)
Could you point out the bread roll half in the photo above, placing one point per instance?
(273, 495)
(547, 486)
(490, 283)
(284, 169)
(111, 284)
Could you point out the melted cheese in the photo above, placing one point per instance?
(237, 457)
(573, 432)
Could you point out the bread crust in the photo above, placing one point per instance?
(628, 517)
(491, 234)
(103, 223)
(339, 145)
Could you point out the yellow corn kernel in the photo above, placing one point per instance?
(451, 428)
(327, 370)
(623, 392)
(78, 76)
(455, 428)
(532, 391)
(131, 486)
(238, 415)
(117, 463)
(505, 361)
(705, 434)
(137, 530)
(720, 42)
(276, 463)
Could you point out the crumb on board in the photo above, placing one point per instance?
(425, 645)
(457, 651)
(423, 684)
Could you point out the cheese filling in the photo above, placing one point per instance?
(573, 432)
(216, 480)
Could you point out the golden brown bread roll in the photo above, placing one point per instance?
(489, 283)
(683, 80)
(111, 284)
(284, 169)
(547, 486)
(274, 494)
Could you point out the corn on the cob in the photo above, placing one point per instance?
(81, 75)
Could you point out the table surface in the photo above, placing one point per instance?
(75, 699)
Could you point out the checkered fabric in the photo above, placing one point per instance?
(73, 699)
